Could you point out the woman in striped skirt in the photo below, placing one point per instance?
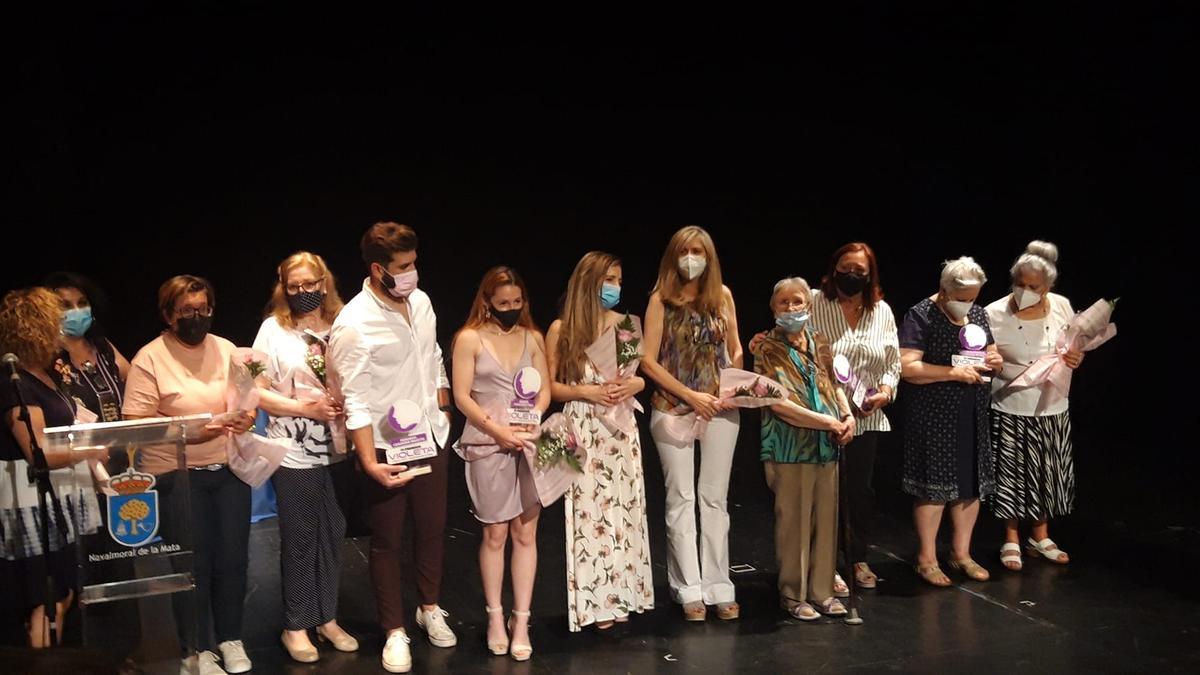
(1031, 428)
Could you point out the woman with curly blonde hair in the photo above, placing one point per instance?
(29, 328)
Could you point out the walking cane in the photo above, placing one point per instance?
(852, 617)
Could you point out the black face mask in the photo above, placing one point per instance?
(851, 283)
(192, 331)
(305, 301)
(507, 318)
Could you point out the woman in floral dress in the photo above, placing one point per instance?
(593, 355)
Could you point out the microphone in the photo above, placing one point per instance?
(11, 362)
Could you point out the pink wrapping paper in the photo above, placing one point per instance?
(739, 388)
(252, 458)
(306, 386)
(1087, 331)
(551, 482)
(603, 355)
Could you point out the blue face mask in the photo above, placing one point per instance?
(76, 322)
(792, 322)
(609, 296)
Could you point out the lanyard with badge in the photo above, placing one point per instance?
(110, 410)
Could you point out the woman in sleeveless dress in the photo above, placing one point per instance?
(499, 367)
(593, 354)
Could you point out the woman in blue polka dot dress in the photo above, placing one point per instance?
(947, 453)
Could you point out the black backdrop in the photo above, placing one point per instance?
(215, 142)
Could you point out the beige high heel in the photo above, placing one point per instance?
(343, 643)
(307, 654)
(519, 652)
(497, 648)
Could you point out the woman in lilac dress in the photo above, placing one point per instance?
(499, 371)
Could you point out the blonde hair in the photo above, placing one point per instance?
(582, 314)
(30, 321)
(279, 304)
(710, 297)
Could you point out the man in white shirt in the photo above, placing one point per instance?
(384, 352)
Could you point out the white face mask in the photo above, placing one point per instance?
(692, 266)
(1025, 298)
(958, 309)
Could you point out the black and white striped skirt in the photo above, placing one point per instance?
(1035, 473)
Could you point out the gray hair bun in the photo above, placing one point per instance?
(1043, 249)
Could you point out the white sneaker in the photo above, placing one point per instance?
(396, 656)
(433, 623)
(205, 664)
(233, 656)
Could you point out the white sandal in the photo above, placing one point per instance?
(1044, 548)
(802, 611)
(517, 650)
(1011, 553)
(497, 648)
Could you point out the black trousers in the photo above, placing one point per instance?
(860, 469)
(220, 540)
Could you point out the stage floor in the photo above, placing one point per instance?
(1084, 617)
(1126, 604)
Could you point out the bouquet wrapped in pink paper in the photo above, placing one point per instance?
(252, 458)
(1088, 330)
(616, 357)
(555, 457)
(739, 388)
(314, 384)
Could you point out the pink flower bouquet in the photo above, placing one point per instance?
(1087, 331)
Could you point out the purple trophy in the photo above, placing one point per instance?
(973, 339)
(846, 376)
(404, 417)
(526, 385)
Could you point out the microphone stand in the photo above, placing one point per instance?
(39, 472)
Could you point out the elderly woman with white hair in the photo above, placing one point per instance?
(947, 452)
(1035, 472)
(800, 439)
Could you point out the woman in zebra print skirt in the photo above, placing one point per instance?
(1031, 430)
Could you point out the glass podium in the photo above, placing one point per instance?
(136, 592)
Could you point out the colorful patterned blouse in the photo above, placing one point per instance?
(692, 350)
(806, 374)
